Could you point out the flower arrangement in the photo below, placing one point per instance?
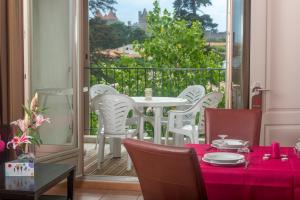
(26, 129)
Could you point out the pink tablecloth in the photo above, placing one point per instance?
(263, 179)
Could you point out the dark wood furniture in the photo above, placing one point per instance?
(31, 188)
(236, 123)
(166, 172)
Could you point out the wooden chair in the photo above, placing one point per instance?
(237, 124)
(166, 172)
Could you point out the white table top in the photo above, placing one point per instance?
(159, 101)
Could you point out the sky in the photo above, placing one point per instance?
(127, 10)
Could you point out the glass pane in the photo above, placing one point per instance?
(52, 68)
(133, 47)
(238, 48)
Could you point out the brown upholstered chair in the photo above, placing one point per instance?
(237, 124)
(165, 172)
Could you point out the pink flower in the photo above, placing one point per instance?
(34, 102)
(40, 120)
(17, 141)
(21, 124)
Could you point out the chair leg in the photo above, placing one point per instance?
(166, 137)
(111, 145)
(101, 150)
(129, 162)
(97, 141)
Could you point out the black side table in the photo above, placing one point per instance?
(31, 188)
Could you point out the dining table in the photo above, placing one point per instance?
(157, 103)
(262, 179)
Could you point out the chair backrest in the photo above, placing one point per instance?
(211, 100)
(114, 109)
(166, 172)
(237, 124)
(192, 93)
(101, 89)
(96, 91)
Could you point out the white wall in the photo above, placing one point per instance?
(275, 63)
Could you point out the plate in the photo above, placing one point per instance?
(223, 157)
(228, 144)
(216, 163)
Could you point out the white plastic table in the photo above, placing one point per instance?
(157, 103)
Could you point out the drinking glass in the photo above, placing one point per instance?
(222, 136)
(245, 151)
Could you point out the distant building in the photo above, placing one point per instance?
(142, 19)
(126, 50)
(110, 18)
(215, 37)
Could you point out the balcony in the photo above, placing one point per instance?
(132, 81)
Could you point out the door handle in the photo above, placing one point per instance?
(256, 97)
(258, 90)
(263, 89)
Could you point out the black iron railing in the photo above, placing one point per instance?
(167, 82)
(163, 81)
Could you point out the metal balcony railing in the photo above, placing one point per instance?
(163, 81)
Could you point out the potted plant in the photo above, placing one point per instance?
(26, 129)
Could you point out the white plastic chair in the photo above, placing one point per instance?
(95, 92)
(192, 94)
(189, 128)
(114, 109)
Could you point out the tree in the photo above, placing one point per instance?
(175, 43)
(187, 10)
(110, 36)
(103, 5)
(137, 34)
(170, 43)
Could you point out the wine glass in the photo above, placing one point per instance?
(222, 136)
(245, 151)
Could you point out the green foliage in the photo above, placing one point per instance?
(187, 10)
(103, 5)
(175, 43)
(114, 35)
(174, 55)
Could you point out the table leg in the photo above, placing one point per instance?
(141, 131)
(70, 185)
(157, 125)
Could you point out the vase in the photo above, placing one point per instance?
(25, 156)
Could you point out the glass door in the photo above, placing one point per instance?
(52, 71)
(116, 31)
(240, 53)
